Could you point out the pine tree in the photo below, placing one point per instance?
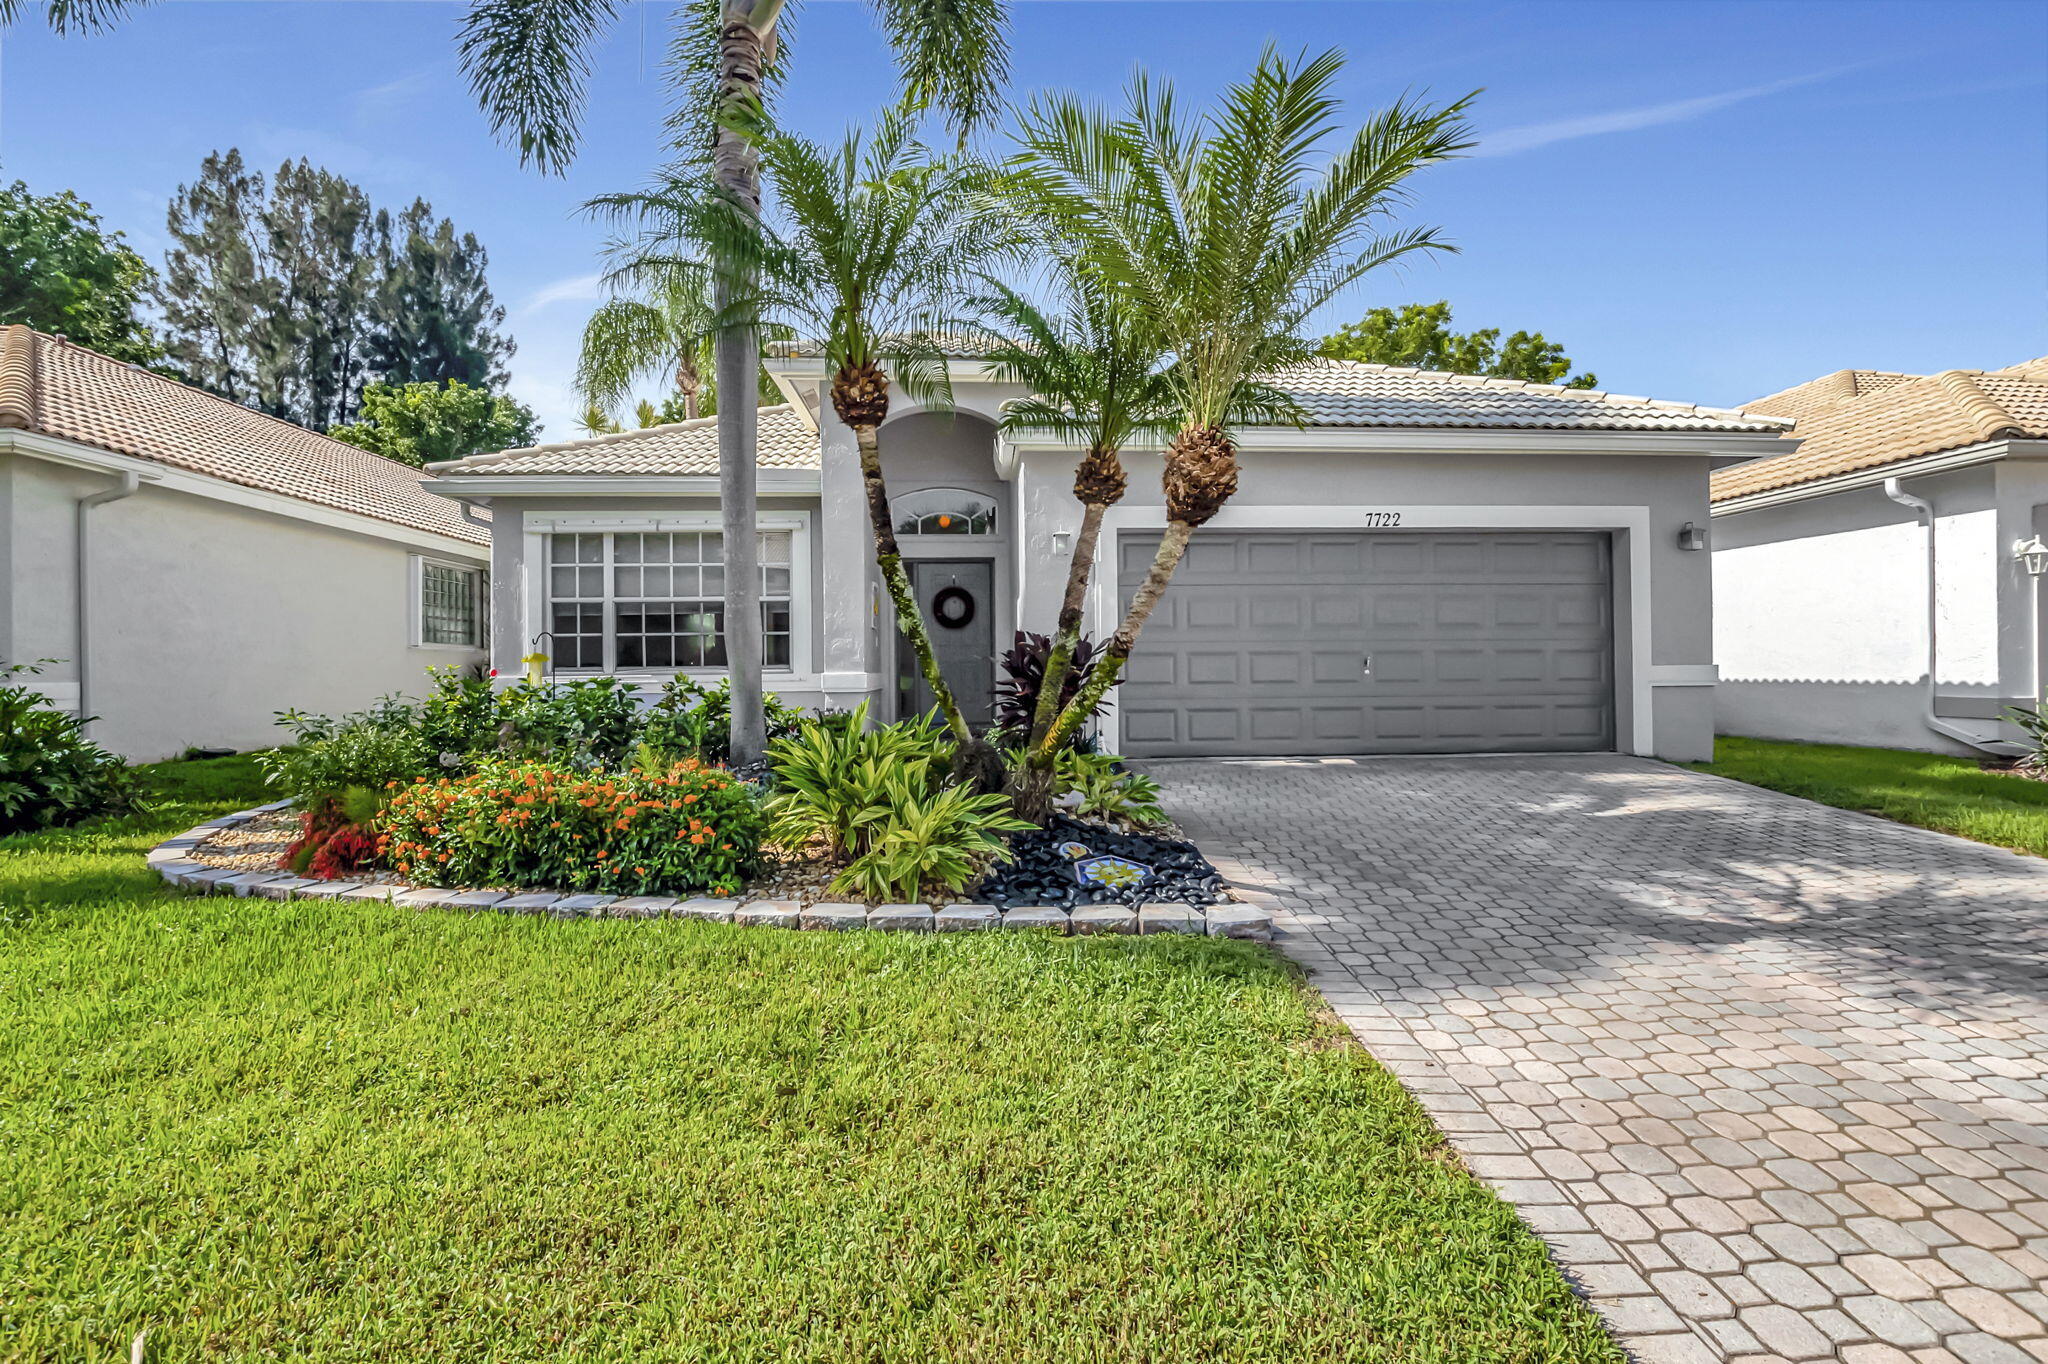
(209, 292)
(433, 318)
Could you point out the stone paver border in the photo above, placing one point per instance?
(172, 860)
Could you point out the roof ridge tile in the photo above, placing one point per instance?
(18, 377)
(1979, 408)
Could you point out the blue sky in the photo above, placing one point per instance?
(1702, 201)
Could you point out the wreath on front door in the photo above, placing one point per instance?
(953, 607)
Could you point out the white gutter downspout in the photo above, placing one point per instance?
(1925, 510)
(125, 488)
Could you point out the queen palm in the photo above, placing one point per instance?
(870, 250)
(1095, 376)
(1225, 233)
(666, 331)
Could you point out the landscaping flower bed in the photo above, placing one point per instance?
(576, 800)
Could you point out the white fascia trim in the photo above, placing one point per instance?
(1729, 446)
(768, 483)
(1633, 672)
(799, 367)
(59, 451)
(1985, 453)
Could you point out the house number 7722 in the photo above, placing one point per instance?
(1382, 520)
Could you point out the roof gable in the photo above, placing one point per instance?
(783, 440)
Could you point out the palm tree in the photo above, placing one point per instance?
(870, 250)
(1225, 235)
(1096, 376)
(667, 332)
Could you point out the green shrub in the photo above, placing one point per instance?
(924, 838)
(2034, 724)
(1103, 791)
(359, 754)
(694, 721)
(681, 831)
(832, 777)
(50, 773)
(587, 724)
(462, 714)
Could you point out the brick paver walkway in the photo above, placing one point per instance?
(1770, 1078)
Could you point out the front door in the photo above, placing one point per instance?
(957, 599)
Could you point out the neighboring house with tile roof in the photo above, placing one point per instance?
(1433, 563)
(1869, 585)
(195, 566)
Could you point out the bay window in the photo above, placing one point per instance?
(654, 600)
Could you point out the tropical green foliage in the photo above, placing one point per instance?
(62, 273)
(420, 424)
(1094, 372)
(666, 333)
(1420, 336)
(1096, 786)
(1228, 231)
(670, 831)
(2032, 722)
(291, 294)
(927, 838)
(50, 773)
(832, 778)
(691, 720)
(361, 754)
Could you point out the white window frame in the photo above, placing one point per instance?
(416, 615)
(801, 587)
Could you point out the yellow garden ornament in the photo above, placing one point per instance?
(534, 663)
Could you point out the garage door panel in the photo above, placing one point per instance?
(1480, 641)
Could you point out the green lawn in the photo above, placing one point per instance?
(366, 1134)
(1954, 795)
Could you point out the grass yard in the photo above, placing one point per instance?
(266, 1130)
(1931, 790)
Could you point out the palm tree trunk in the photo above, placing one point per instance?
(889, 557)
(689, 383)
(742, 53)
(1031, 784)
(1201, 475)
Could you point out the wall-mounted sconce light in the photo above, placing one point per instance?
(1062, 541)
(1692, 536)
(2032, 555)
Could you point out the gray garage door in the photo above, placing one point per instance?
(1277, 642)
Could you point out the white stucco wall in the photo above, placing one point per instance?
(1821, 630)
(206, 617)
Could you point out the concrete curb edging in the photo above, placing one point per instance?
(172, 860)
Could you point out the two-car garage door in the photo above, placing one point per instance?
(1333, 642)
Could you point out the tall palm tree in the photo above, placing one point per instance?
(668, 331)
(1226, 233)
(1096, 376)
(871, 249)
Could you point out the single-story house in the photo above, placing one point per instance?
(1435, 563)
(1877, 585)
(194, 566)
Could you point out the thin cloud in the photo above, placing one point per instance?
(393, 96)
(1532, 135)
(575, 289)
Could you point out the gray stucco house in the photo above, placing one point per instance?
(1436, 563)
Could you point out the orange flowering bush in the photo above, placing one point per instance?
(679, 830)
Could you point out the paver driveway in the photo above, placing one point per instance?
(1768, 1076)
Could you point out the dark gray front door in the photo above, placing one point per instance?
(1330, 642)
(958, 600)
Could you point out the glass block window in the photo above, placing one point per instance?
(655, 600)
(944, 511)
(451, 605)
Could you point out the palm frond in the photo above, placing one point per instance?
(953, 54)
(528, 63)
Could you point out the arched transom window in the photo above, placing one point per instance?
(945, 511)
